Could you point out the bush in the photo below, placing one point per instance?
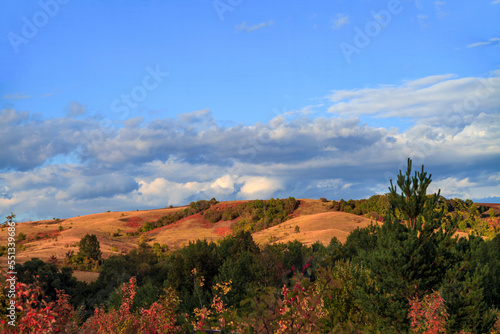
(21, 237)
(40, 315)
(148, 226)
(213, 216)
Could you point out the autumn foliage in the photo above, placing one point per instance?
(36, 315)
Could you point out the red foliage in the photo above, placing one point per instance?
(495, 224)
(133, 222)
(206, 224)
(51, 234)
(159, 318)
(197, 218)
(36, 315)
(223, 206)
(428, 316)
(223, 231)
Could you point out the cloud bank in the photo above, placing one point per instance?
(63, 167)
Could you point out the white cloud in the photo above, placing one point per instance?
(258, 187)
(340, 21)
(425, 98)
(452, 187)
(422, 20)
(16, 96)
(224, 185)
(488, 42)
(439, 6)
(243, 26)
(161, 192)
(456, 132)
(74, 109)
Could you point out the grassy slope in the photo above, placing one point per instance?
(320, 227)
(310, 216)
(314, 218)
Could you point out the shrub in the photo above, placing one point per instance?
(21, 237)
(428, 315)
(36, 314)
(213, 216)
(159, 318)
(148, 226)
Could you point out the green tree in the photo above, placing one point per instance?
(90, 248)
(413, 199)
(413, 256)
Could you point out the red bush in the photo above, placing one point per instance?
(159, 318)
(223, 231)
(36, 315)
(133, 222)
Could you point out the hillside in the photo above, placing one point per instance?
(117, 232)
(114, 229)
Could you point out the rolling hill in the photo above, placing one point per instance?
(114, 230)
(117, 232)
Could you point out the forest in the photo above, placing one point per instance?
(408, 272)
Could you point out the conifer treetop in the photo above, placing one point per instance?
(413, 198)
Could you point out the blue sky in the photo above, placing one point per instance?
(112, 105)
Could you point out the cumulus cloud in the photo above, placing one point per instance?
(28, 143)
(422, 99)
(75, 166)
(453, 187)
(224, 185)
(258, 187)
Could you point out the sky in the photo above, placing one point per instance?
(141, 104)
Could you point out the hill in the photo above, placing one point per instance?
(118, 232)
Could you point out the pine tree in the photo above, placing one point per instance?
(413, 199)
(413, 257)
